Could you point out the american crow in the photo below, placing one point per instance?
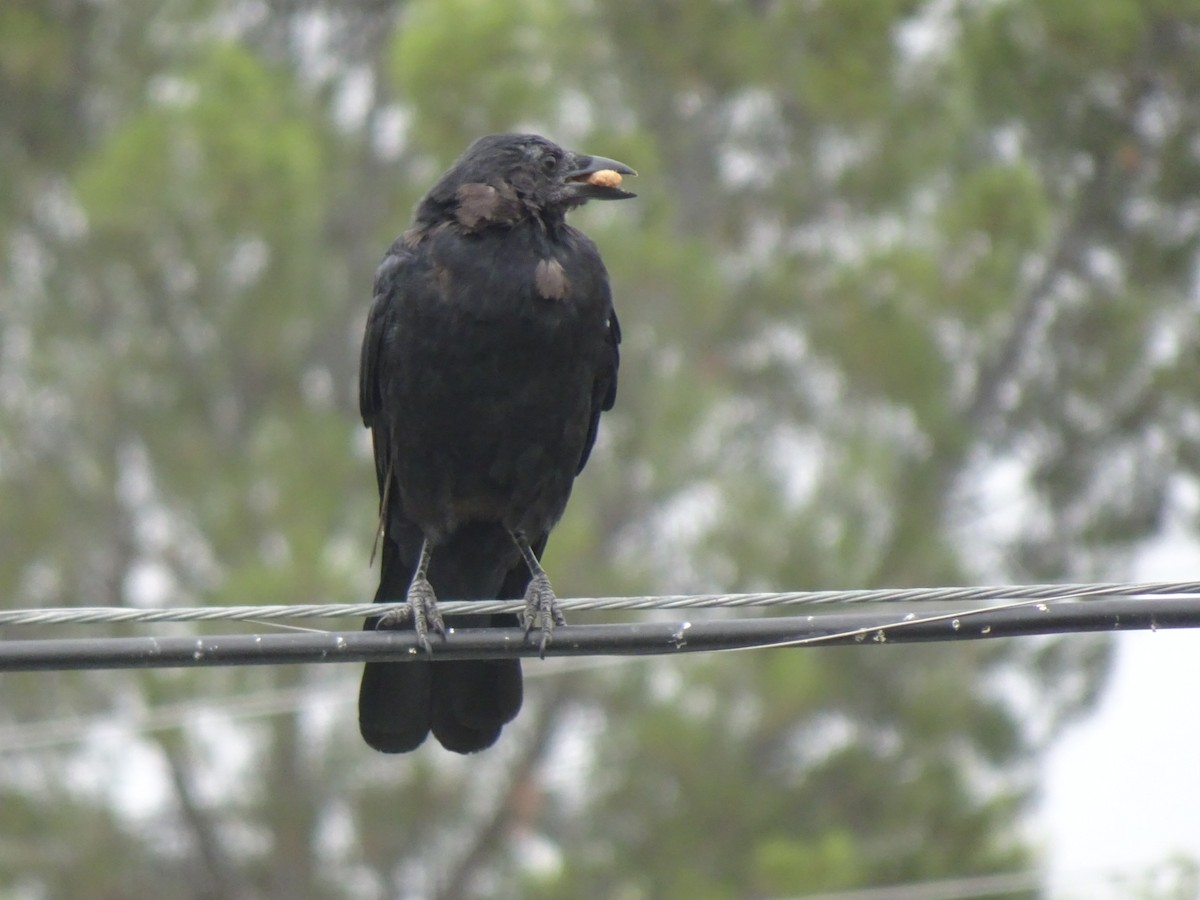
(490, 352)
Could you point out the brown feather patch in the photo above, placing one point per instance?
(483, 204)
(412, 238)
(476, 203)
(551, 280)
(442, 274)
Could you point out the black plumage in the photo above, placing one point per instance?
(490, 352)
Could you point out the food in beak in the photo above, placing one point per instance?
(605, 178)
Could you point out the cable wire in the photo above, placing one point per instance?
(75, 615)
(1021, 618)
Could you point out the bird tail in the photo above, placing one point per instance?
(465, 703)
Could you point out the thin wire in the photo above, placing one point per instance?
(942, 889)
(1006, 594)
(879, 634)
(40, 734)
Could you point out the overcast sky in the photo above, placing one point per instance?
(1121, 791)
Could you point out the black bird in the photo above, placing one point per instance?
(490, 352)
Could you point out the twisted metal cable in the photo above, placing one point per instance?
(875, 628)
(948, 595)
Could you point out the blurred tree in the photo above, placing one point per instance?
(909, 298)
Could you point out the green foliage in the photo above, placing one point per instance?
(832, 862)
(229, 157)
(453, 103)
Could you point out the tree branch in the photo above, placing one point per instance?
(220, 871)
(487, 838)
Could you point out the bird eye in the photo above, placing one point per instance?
(549, 162)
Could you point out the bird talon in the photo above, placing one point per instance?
(422, 606)
(423, 643)
(541, 609)
(394, 618)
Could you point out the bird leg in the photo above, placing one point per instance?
(422, 605)
(541, 606)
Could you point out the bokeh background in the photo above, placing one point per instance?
(909, 298)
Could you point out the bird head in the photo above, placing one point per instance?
(544, 177)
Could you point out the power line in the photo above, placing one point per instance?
(1021, 618)
(944, 889)
(44, 733)
(77, 615)
(40, 734)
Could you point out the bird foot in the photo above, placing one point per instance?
(541, 609)
(421, 609)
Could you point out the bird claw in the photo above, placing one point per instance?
(394, 618)
(541, 608)
(422, 610)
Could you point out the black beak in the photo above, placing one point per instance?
(597, 178)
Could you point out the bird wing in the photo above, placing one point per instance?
(604, 388)
(396, 276)
(389, 282)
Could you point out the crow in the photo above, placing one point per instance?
(491, 349)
